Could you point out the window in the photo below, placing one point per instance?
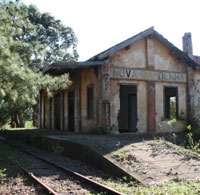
(90, 102)
(171, 102)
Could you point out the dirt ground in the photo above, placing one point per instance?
(157, 161)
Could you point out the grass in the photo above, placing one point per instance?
(28, 125)
(7, 155)
(173, 188)
(170, 188)
(121, 155)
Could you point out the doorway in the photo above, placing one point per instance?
(128, 109)
(57, 111)
(71, 111)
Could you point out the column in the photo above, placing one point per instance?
(106, 111)
(151, 106)
(41, 110)
(61, 110)
(65, 110)
(52, 114)
(151, 86)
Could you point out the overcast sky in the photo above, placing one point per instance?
(99, 24)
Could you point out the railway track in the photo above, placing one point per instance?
(58, 179)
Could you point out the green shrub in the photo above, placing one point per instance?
(195, 125)
(194, 145)
(2, 173)
(57, 149)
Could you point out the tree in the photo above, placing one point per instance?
(46, 39)
(29, 40)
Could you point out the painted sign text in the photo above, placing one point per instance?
(147, 75)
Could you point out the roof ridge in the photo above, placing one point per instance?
(150, 31)
(122, 44)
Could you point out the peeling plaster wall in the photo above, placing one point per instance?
(132, 57)
(164, 60)
(74, 87)
(88, 77)
(197, 93)
(114, 104)
(167, 61)
(161, 122)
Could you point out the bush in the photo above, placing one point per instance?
(195, 124)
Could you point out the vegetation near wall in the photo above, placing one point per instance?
(30, 40)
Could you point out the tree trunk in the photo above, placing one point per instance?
(21, 121)
(18, 119)
(15, 119)
(36, 116)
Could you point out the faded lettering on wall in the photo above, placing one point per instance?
(127, 73)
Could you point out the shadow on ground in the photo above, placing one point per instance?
(104, 144)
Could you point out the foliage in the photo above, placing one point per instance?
(6, 154)
(121, 155)
(171, 124)
(57, 149)
(2, 173)
(195, 124)
(169, 187)
(29, 125)
(118, 143)
(173, 111)
(29, 41)
(194, 145)
(172, 188)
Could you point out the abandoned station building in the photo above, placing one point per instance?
(137, 85)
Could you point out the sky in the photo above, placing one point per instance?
(100, 24)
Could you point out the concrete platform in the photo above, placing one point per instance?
(140, 156)
(73, 146)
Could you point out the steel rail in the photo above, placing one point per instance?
(51, 191)
(30, 174)
(69, 171)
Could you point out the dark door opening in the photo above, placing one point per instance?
(128, 109)
(71, 111)
(57, 111)
(132, 118)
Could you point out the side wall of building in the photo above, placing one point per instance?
(53, 109)
(89, 79)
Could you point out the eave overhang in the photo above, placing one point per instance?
(59, 68)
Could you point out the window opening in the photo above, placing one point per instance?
(171, 102)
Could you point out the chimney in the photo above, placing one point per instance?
(187, 45)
